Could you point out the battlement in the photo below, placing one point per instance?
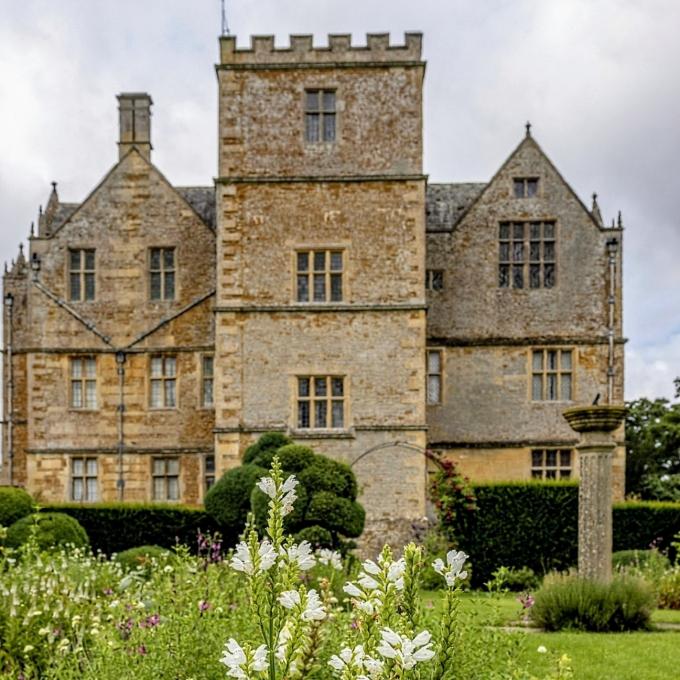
(263, 52)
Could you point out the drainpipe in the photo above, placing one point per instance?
(9, 306)
(120, 482)
(612, 249)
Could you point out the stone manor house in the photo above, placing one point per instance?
(320, 286)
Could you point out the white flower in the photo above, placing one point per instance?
(348, 658)
(452, 569)
(268, 486)
(329, 558)
(300, 553)
(396, 571)
(352, 590)
(289, 598)
(542, 649)
(406, 652)
(374, 667)
(242, 559)
(239, 663)
(367, 582)
(314, 610)
(371, 567)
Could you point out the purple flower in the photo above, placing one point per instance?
(141, 650)
(203, 606)
(107, 591)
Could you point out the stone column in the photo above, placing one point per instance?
(595, 424)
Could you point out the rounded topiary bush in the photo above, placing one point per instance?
(141, 557)
(326, 510)
(52, 530)
(267, 444)
(566, 601)
(15, 503)
(228, 500)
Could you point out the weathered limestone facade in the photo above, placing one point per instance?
(320, 156)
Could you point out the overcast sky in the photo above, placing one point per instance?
(598, 79)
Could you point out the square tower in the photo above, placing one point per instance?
(320, 326)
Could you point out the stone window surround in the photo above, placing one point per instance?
(341, 247)
(82, 273)
(321, 88)
(560, 467)
(89, 494)
(164, 377)
(529, 264)
(434, 279)
(526, 186)
(204, 378)
(163, 272)
(83, 380)
(436, 375)
(545, 371)
(328, 399)
(169, 478)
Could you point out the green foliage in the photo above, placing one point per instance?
(453, 498)
(141, 557)
(51, 530)
(641, 524)
(228, 500)
(653, 449)
(513, 580)
(327, 492)
(569, 602)
(520, 524)
(669, 589)
(114, 527)
(339, 515)
(15, 503)
(648, 563)
(316, 536)
(268, 443)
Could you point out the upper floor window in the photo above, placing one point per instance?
(320, 115)
(434, 376)
(434, 279)
(209, 470)
(551, 375)
(320, 402)
(83, 383)
(163, 393)
(319, 275)
(165, 479)
(207, 368)
(81, 275)
(162, 273)
(84, 479)
(525, 187)
(526, 255)
(551, 463)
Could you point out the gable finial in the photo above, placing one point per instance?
(32, 229)
(528, 128)
(225, 24)
(595, 211)
(619, 221)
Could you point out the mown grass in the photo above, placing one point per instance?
(651, 655)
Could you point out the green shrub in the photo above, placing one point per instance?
(514, 580)
(51, 530)
(268, 443)
(114, 527)
(141, 557)
(338, 514)
(650, 564)
(641, 524)
(669, 589)
(228, 500)
(567, 601)
(326, 494)
(15, 503)
(317, 536)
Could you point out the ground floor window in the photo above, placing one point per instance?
(165, 476)
(84, 479)
(551, 463)
(209, 470)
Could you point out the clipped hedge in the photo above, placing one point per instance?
(115, 527)
(15, 503)
(535, 524)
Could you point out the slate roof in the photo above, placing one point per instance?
(202, 200)
(445, 204)
(61, 214)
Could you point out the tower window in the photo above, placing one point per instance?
(551, 375)
(525, 187)
(527, 255)
(320, 402)
(81, 275)
(319, 275)
(320, 115)
(162, 273)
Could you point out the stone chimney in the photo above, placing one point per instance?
(135, 123)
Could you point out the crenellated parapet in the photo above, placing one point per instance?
(263, 51)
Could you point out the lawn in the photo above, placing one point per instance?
(595, 656)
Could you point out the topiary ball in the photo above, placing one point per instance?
(52, 530)
(295, 457)
(317, 536)
(228, 500)
(141, 557)
(15, 503)
(268, 442)
(326, 474)
(338, 514)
